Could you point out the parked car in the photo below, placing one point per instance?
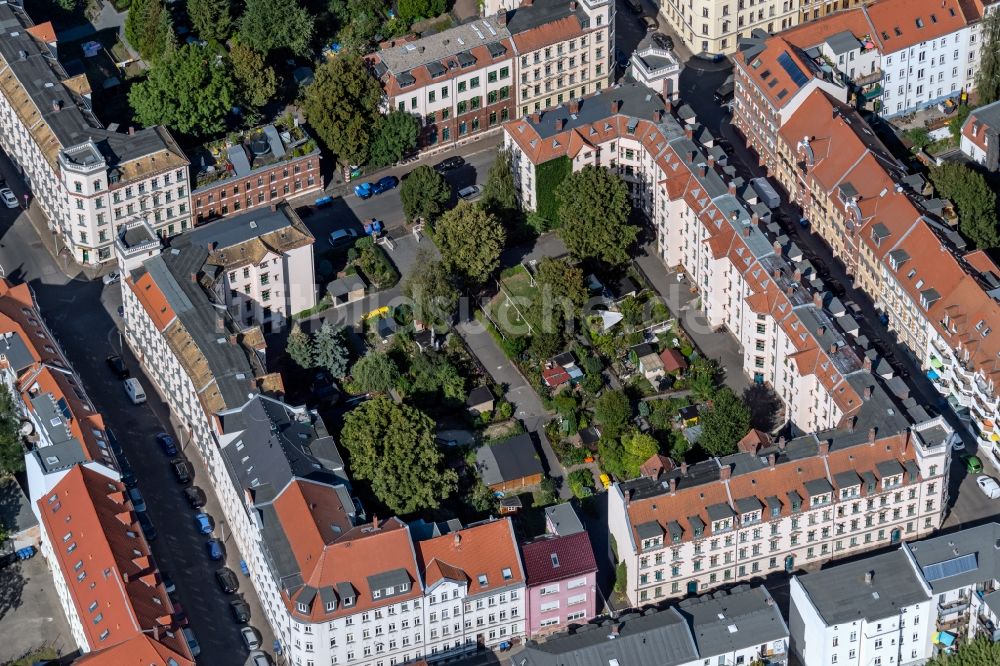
(134, 391)
(385, 184)
(724, 93)
(973, 464)
(958, 445)
(605, 481)
(112, 277)
(168, 582)
(663, 41)
(651, 23)
(182, 469)
(241, 612)
(250, 637)
(989, 486)
(167, 443)
(634, 5)
(8, 197)
(117, 366)
(258, 658)
(449, 164)
(179, 616)
(215, 551)
(148, 529)
(227, 579)
(195, 497)
(204, 523)
(621, 58)
(363, 190)
(138, 503)
(471, 192)
(342, 237)
(192, 642)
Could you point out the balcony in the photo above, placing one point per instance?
(956, 607)
(868, 79)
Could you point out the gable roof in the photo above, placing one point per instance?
(550, 558)
(509, 460)
(484, 556)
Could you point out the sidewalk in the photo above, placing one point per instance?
(54, 246)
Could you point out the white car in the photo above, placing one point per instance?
(8, 197)
(258, 658)
(471, 192)
(989, 486)
(112, 277)
(250, 638)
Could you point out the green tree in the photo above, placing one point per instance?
(11, 449)
(360, 21)
(412, 10)
(375, 372)
(975, 201)
(300, 348)
(190, 91)
(470, 240)
(724, 424)
(258, 82)
(500, 192)
(69, 6)
(482, 498)
(393, 447)
(563, 280)
(593, 214)
(395, 137)
(920, 137)
(341, 105)
(613, 411)
(980, 652)
(703, 378)
(211, 18)
(330, 349)
(424, 194)
(956, 122)
(270, 25)
(149, 30)
(988, 76)
(432, 291)
(637, 448)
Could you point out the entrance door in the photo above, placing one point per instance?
(692, 587)
(895, 536)
(790, 563)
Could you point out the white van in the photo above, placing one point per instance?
(134, 391)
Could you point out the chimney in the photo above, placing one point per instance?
(673, 485)
(274, 206)
(232, 339)
(374, 522)
(746, 231)
(689, 131)
(56, 105)
(194, 277)
(702, 169)
(867, 364)
(789, 290)
(822, 330)
(502, 17)
(871, 436)
(560, 123)
(615, 105)
(797, 275)
(777, 248)
(851, 422)
(616, 629)
(868, 392)
(527, 3)
(658, 116)
(824, 448)
(131, 130)
(572, 5)
(574, 106)
(536, 117)
(818, 299)
(755, 218)
(711, 159)
(781, 443)
(732, 188)
(776, 274)
(725, 472)
(832, 349)
(684, 469)
(771, 459)
(458, 539)
(869, 577)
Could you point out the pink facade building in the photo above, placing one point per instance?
(562, 582)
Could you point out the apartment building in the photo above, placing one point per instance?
(877, 610)
(474, 77)
(86, 179)
(714, 27)
(656, 68)
(891, 56)
(562, 582)
(902, 607)
(740, 626)
(746, 282)
(264, 166)
(981, 136)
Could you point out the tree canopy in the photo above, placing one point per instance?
(988, 76)
(563, 280)
(500, 192)
(980, 652)
(393, 447)
(470, 240)
(724, 424)
(341, 105)
(269, 25)
(330, 349)
(593, 214)
(360, 21)
(432, 291)
(190, 90)
(11, 449)
(976, 202)
(424, 194)
(395, 137)
(375, 372)
(258, 82)
(637, 448)
(412, 10)
(211, 18)
(300, 347)
(149, 30)
(613, 411)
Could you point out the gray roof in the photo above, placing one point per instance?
(843, 42)
(562, 519)
(60, 456)
(636, 100)
(720, 511)
(479, 395)
(840, 593)
(236, 229)
(748, 504)
(989, 115)
(649, 530)
(816, 487)
(992, 601)
(962, 558)
(15, 509)
(508, 460)
(432, 50)
(694, 630)
(394, 579)
(539, 13)
(345, 285)
(847, 479)
(13, 349)
(889, 468)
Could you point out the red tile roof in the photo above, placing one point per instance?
(105, 561)
(901, 24)
(152, 300)
(548, 33)
(555, 376)
(552, 558)
(141, 650)
(487, 549)
(673, 360)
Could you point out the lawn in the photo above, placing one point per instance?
(516, 309)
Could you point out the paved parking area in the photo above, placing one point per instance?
(30, 614)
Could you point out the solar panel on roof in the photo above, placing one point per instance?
(949, 568)
(793, 70)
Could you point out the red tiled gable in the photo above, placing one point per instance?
(485, 549)
(672, 360)
(555, 376)
(549, 33)
(656, 465)
(778, 87)
(142, 650)
(901, 24)
(551, 558)
(152, 300)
